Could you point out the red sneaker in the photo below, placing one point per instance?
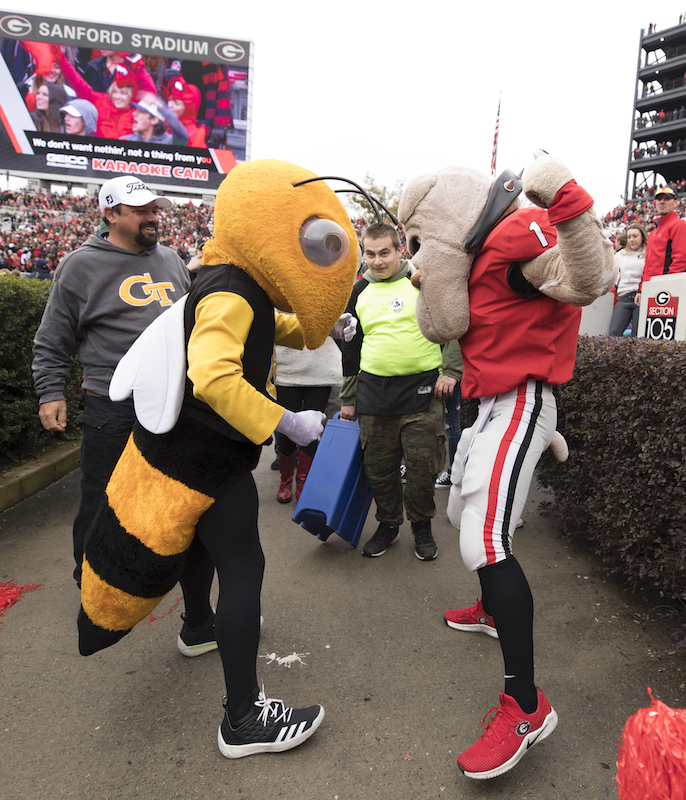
(510, 733)
(471, 619)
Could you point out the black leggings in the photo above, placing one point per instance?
(227, 536)
(300, 398)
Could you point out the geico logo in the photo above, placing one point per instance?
(62, 160)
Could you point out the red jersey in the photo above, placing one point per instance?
(515, 334)
(666, 248)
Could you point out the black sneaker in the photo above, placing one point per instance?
(197, 642)
(275, 728)
(443, 481)
(385, 536)
(424, 546)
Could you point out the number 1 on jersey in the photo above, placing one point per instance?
(536, 228)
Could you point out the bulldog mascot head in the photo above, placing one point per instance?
(449, 215)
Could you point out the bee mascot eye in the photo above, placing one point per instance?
(324, 242)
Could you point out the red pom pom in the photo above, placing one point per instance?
(651, 764)
(10, 593)
(43, 54)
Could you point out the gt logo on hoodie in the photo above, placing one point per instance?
(153, 291)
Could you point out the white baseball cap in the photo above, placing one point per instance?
(70, 109)
(149, 108)
(130, 191)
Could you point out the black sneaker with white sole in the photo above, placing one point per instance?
(443, 481)
(274, 728)
(384, 536)
(194, 642)
(425, 547)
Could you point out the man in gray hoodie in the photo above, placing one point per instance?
(103, 296)
(80, 117)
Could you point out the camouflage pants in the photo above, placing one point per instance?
(420, 439)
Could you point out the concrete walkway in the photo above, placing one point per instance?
(403, 693)
(18, 483)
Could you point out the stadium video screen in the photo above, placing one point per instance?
(84, 100)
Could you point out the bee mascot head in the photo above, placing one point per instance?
(294, 239)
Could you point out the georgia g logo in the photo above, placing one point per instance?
(153, 291)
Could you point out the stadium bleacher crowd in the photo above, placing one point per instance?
(44, 226)
(641, 210)
(37, 227)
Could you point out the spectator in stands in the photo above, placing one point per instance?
(55, 77)
(630, 261)
(41, 269)
(80, 117)
(184, 100)
(115, 114)
(49, 99)
(100, 70)
(666, 252)
(150, 120)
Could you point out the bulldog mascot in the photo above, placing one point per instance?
(509, 283)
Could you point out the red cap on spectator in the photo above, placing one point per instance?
(123, 76)
(178, 89)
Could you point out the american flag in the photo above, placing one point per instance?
(495, 141)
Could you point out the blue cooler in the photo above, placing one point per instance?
(336, 495)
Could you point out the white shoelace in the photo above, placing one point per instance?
(272, 708)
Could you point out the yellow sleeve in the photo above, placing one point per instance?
(215, 366)
(288, 331)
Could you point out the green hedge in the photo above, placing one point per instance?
(624, 417)
(22, 301)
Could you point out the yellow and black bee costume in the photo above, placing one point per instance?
(281, 240)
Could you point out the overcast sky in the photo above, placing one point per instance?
(407, 88)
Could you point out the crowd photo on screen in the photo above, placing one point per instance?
(118, 95)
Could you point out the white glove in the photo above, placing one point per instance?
(345, 328)
(302, 427)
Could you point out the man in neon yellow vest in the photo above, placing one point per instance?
(393, 386)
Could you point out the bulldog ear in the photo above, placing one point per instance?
(413, 195)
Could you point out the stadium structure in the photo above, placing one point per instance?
(657, 149)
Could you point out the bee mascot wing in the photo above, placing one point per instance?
(154, 370)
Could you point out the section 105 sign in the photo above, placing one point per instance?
(661, 316)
